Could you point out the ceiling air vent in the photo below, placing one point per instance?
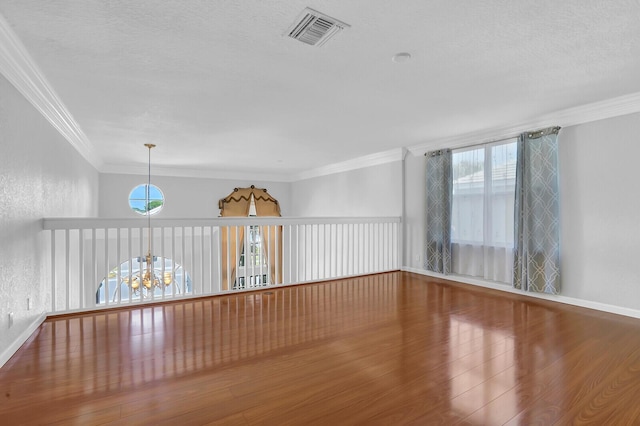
(315, 28)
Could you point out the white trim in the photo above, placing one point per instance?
(384, 157)
(20, 70)
(613, 309)
(195, 173)
(615, 107)
(19, 341)
(353, 164)
(103, 223)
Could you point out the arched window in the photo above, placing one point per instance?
(260, 263)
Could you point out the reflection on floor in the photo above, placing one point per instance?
(395, 348)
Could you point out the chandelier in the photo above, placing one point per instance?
(150, 277)
(146, 276)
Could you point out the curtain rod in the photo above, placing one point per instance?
(535, 134)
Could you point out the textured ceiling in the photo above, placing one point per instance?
(217, 86)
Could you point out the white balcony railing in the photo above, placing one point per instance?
(101, 263)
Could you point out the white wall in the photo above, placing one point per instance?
(415, 207)
(184, 197)
(600, 211)
(41, 175)
(370, 191)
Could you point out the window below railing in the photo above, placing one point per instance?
(101, 263)
(144, 278)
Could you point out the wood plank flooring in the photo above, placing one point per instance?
(388, 349)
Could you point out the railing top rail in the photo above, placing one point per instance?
(142, 222)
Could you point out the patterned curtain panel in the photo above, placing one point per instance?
(439, 181)
(537, 217)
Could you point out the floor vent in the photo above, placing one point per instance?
(315, 28)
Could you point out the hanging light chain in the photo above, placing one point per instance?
(148, 210)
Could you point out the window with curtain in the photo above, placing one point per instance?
(537, 213)
(482, 210)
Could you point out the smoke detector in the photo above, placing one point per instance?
(315, 28)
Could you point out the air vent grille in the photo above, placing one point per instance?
(315, 28)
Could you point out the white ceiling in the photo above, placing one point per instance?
(217, 86)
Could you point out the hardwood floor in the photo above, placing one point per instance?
(387, 349)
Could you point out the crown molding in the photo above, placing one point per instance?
(383, 157)
(22, 72)
(17, 66)
(614, 107)
(194, 173)
(353, 164)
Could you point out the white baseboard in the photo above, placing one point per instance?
(613, 309)
(22, 337)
